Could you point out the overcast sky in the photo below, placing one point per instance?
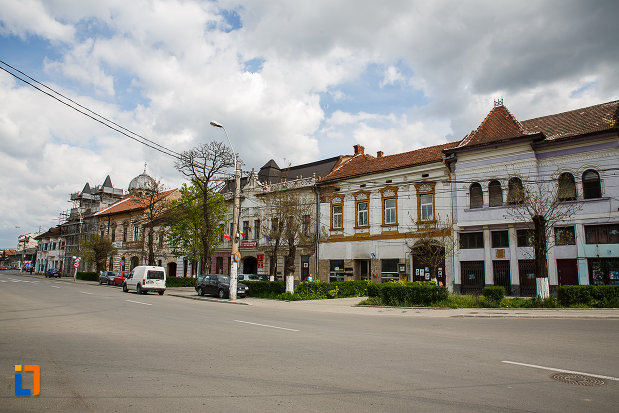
(293, 81)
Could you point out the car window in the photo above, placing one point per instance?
(155, 275)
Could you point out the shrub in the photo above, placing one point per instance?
(494, 293)
(588, 295)
(408, 294)
(265, 289)
(318, 290)
(180, 282)
(87, 276)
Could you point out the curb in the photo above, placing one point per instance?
(212, 300)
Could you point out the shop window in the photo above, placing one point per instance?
(471, 240)
(515, 191)
(565, 236)
(336, 270)
(495, 194)
(603, 271)
(602, 234)
(500, 239)
(524, 237)
(567, 187)
(591, 185)
(476, 196)
(389, 270)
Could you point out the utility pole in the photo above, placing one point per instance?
(235, 255)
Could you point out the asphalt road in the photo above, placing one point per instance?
(102, 350)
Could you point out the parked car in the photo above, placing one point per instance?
(252, 277)
(53, 272)
(2, 267)
(218, 285)
(107, 277)
(120, 277)
(145, 278)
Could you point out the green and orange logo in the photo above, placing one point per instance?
(36, 380)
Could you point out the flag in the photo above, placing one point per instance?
(226, 236)
(242, 234)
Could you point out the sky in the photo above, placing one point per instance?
(293, 81)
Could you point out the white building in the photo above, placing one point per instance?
(50, 250)
(573, 157)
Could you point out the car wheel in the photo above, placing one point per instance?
(161, 292)
(138, 289)
(222, 294)
(125, 289)
(200, 292)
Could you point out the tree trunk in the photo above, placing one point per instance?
(541, 264)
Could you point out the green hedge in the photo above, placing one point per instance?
(87, 276)
(599, 296)
(180, 282)
(265, 289)
(410, 294)
(493, 293)
(318, 290)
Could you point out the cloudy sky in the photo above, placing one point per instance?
(296, 81)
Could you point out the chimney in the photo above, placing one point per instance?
(358, 149)
(379, 154)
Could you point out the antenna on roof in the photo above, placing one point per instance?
(498, 103)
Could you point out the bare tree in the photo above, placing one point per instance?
(289, 212)
(204, 166)
(541, 205)
(432, 243)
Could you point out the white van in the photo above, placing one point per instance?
(146, 278)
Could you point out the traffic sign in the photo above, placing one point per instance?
(77, 262)
(121, 263)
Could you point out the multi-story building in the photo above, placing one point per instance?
(569, 162)
(262, 251)
(50, 250)
(135, 232)
(376, 211)
(80, 221)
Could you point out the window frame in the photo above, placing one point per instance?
(425, 188)
(476, 186)
(469, 237)
(500, 240)
(561, 240)
(494, 188)
(337, 201)
(513, 198)
(586, 190)
(362, 197)
(562, 181)
(526, 235)
(389, 193)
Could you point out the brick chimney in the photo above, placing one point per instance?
(379, 154)
(358, 149)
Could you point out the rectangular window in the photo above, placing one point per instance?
(473, 275)
(136, 232)
(256, 229)
(362, 214)
(389, 270)
(336, 270)
(602, 234)
(125, 234)
(161, 237)
(113, 234)
(53, 246)
(390, 217)
(500, 239)
(245, 229)
(524, 237)
(565, 236)
(306, 225)
(275, 224)
(470, 240)
(426, 202)
(102, 233)
(336, 214)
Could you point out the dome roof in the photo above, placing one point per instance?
(141, 182)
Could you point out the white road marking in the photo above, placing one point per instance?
(84, 292)
(561, 370)
(138, 302)
(265, 325)
(55, 286)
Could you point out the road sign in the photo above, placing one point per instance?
(121, 263)
(77, 262)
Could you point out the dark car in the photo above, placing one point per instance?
(218, 285)
(53, 272)
(107, 277)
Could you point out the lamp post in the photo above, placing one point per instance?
(235, 256)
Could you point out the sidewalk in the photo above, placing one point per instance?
(349, 306)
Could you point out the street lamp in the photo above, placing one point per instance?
(235, 256)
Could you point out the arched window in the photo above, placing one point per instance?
(495, 193)
(515, 191)
(476, 196)
(567, 187)
(591, 187)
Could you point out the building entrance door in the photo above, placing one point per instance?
(305, 272)
(567, 272)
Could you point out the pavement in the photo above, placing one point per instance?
(350, 306)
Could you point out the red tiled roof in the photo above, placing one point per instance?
(500, 124)
(365, 164)
(131, 203)
(581, 121)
